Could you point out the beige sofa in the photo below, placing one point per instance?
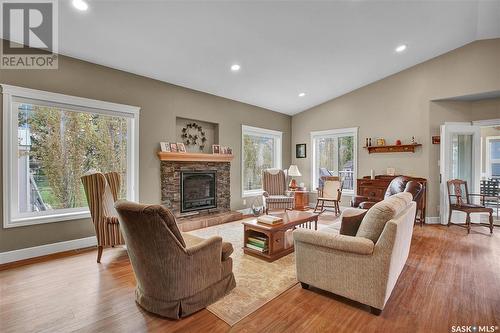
(364, 267)
(177, 273)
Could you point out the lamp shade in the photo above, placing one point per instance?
(293, 171)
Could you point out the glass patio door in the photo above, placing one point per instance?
(460, 159)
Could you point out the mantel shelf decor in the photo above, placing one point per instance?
(393, 149)
(194, 157)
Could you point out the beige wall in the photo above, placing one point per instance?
(160, 104)
(400, 106)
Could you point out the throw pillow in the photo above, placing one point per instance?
(350, 221)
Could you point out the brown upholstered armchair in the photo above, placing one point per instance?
(275, 193)
(177, 274)
(102, 192)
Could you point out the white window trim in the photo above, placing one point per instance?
(278, 156)
(336, 133)
(489, 160)
(74, 103)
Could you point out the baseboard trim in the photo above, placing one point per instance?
(432, 220)
(42, 250)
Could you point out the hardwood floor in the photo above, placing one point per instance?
(451, 278)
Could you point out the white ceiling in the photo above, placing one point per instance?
(325, 49)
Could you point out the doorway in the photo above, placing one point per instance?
(470, 151)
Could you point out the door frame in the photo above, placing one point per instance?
(447, 129)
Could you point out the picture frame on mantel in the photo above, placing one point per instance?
(165, 147)
(300, 150)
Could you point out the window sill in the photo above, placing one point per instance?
(253, 193)
(61, 217)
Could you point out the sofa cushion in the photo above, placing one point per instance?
(376, 217)
(350, 221)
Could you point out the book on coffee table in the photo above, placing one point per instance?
(269, 219)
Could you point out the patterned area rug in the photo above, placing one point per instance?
(257, 281)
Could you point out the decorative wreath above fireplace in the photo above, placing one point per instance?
(193, 135)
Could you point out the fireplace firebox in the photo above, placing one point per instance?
(198, 190)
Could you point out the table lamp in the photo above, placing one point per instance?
(293, 171)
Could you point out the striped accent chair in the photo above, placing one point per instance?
(102, 192)
(275, 194)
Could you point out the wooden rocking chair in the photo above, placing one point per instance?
(330, 191)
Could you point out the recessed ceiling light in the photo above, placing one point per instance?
(80, 5)
(401, 48)
(302, 94)
(235, 67)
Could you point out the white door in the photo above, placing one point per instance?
(460, 159)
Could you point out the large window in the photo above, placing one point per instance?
(51, 141)
(334, 154)
(493, 156)
(261, 149)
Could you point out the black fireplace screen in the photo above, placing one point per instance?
(198, 190)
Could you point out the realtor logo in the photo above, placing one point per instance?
(29, 34)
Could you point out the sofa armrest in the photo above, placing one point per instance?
(208, 245)
(357, 245)
(203, 264)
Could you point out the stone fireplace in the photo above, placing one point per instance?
(198, 190)
(198, 201)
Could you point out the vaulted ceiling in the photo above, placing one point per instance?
(324, 49)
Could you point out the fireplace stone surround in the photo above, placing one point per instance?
(171, 173)
(173, 164)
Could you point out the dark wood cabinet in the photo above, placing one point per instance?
(375, 189)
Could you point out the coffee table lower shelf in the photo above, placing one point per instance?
(266, 256)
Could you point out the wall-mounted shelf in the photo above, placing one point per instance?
(194, 157)
(393, 149)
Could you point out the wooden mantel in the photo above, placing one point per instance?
(194, 157)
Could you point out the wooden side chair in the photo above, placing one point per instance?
(330, 192)
(102, 193)
(459, 199)
(275, 194)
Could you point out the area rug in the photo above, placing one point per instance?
(257, 281)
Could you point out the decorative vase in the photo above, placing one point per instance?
(257, 210)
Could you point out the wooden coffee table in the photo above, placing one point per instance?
(275, 234)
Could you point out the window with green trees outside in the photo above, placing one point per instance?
(261, 149)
